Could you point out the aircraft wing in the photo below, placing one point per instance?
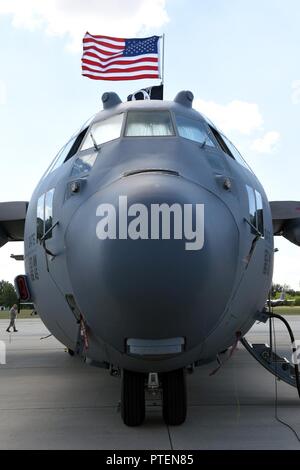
(12, 221)
(286, 220)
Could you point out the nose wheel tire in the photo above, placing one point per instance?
(174, 397)
(133, 398)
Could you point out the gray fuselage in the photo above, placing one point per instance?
(151, 293)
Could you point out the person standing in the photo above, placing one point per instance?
(12, 315)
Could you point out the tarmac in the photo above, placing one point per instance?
(50, 400)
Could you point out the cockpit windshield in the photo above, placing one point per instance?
(103, 131)
(194, 130)
(149, 124)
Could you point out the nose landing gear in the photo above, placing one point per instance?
(133, 398)
(172, 387)
(174, 396)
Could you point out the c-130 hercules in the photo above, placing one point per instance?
(144, 242)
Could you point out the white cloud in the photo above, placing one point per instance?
(239, 116)
(74, 17)
(296, 92)
(267, 143)
(3, 92)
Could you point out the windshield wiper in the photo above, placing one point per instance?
(44, 238)
(97, 148)
(203, 144)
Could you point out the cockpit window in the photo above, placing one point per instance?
(62, 155)
(49, 213)
(220, 140)
(235, 153)
(40, 217)
(256, 209)
(149, 124)
(193, 130)
(228, 147)
(103, 131)
(67, 151)
(45, 215)
(84, 163)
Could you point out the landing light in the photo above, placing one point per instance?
(22, 288)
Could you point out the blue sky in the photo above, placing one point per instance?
(240, 59)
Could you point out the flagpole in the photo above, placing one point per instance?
(163, 60)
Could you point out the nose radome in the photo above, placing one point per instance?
(132, 279)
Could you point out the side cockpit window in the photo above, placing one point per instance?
(220, 141)
(44, 220)
(194, 130)
(228, 147)
(235, 153)
(49, 213)
(67, 151)
(103, 131)
(62, 155)
(259, 212)
(256, 210)
(149, 124)
(77, 141)
(40, 217)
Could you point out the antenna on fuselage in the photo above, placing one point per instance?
(185, 98)
(110, 100)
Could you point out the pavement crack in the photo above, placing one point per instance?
(170, 438)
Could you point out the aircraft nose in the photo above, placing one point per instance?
(136, 277)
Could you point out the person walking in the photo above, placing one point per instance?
(12, 315)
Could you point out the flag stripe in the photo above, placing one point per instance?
(97, 56)
(125, 63)
(119, 69)
(100, 58)
(87, 41)
(119, 77)
(102, 51)
(102, 48)
(106, 38)
(116, 58)
(122, 74)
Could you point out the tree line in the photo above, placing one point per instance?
(291, 294)
(8, 295)
(278, 288)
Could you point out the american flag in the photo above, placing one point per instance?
(108, 58)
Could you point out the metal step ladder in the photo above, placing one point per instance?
(277, 365)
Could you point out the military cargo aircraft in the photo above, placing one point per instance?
(282, 300)
(144, 242)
